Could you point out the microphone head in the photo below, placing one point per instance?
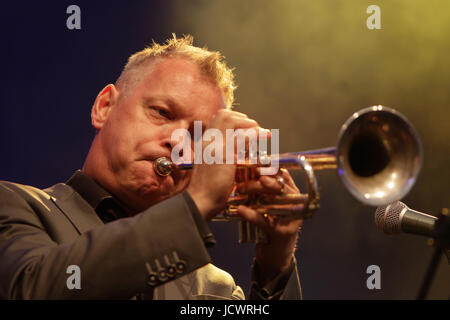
(387, 218)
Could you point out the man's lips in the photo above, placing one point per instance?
(175, 175)
(153, 158)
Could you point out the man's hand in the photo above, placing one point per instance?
(211, 184)
(276, 256)
(210, 188)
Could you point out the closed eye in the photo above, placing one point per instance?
(162, 112)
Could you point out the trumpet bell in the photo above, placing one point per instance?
(378, 155)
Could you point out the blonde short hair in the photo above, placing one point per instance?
(211, 63)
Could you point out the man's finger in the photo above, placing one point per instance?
(253, 216)
(265, 184)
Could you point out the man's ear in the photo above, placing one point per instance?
(103, 104)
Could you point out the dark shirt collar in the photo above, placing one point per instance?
(107, 207)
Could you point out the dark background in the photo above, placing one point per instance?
(302, 66)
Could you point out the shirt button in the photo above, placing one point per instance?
(162, 276)
(181, 266)
(152, 279)
(152, 276)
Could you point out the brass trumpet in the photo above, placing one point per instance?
(378, 156)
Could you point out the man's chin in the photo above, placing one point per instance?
(144, 196)
(146, 199)
(144, 188)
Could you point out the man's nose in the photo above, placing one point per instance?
(175, 131)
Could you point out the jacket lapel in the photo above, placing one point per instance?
(74, 207)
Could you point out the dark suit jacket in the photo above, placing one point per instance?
(43, 232)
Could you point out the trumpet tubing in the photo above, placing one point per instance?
(378, 156)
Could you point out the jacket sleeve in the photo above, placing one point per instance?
(286, 286)
(116, 260)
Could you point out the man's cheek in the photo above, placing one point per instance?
(185, 179)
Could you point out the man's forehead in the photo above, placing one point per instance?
(178, 78)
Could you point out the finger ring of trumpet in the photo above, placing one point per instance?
(281, 181)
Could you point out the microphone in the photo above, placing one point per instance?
(397, 217)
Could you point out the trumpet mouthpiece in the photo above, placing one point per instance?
(163, 166)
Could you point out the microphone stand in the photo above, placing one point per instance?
(442, 245)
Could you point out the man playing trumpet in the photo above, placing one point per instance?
(131, 232)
